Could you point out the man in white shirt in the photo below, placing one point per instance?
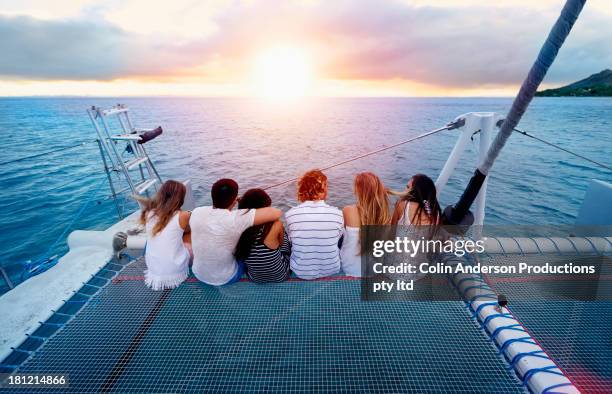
(215, 232)
(314, 229)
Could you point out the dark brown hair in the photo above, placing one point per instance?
(252, 199)
(168, 200)
(224, 193)
(422, 191)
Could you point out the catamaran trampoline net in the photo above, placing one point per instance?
(293, 336)
(576, 334)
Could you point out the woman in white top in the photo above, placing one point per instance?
(167, 253)
(372, 208)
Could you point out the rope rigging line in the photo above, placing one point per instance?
(449, 126)
(563, 149)
(46, 153)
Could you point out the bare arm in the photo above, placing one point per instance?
(281, 232)
(265, 215)
(275, 237)
(184, 220)
(351, 216)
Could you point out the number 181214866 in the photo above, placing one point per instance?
(12, 380)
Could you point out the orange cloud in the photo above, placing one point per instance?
(365, 47)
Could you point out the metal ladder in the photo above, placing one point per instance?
(113, 146)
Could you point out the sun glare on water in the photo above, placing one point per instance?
(283, 73)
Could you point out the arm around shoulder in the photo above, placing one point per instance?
(265, 215)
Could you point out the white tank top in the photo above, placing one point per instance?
(404, 220)
(350, 253)
(407, 229)
(166, 255)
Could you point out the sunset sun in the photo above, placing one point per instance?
(283, 73)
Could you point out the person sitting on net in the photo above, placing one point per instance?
(216, 229)
(418, 204)
(264, 249)
(418, 216)
(371, 209)
(314, 229)
(167, 253)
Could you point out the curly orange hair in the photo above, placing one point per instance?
(312, 185)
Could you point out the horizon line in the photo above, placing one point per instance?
(235, 97)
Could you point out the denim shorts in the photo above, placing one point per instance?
(237, 275)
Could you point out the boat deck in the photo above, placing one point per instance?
(117, 335)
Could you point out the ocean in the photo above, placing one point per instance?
(259, 143)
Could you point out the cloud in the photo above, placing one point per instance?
(81, 50)
(466, 46)
(462, 46)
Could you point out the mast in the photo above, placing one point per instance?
(460, 212)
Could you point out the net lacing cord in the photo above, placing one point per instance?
(528, 339)
(552, 369)
(491, 301)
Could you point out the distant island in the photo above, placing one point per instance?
(597, 85)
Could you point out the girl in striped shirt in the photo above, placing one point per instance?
(264, 249)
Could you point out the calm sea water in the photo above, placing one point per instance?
(258, 143)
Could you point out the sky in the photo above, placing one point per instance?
(290, 49)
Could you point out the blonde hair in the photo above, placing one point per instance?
(372, 199)
(168, 200)
(312, 185)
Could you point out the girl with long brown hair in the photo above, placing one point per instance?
(167, 252)
(418, 204)
(371, 209)
(418, 216)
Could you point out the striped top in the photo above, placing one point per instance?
(266, 265)
(314, 229)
